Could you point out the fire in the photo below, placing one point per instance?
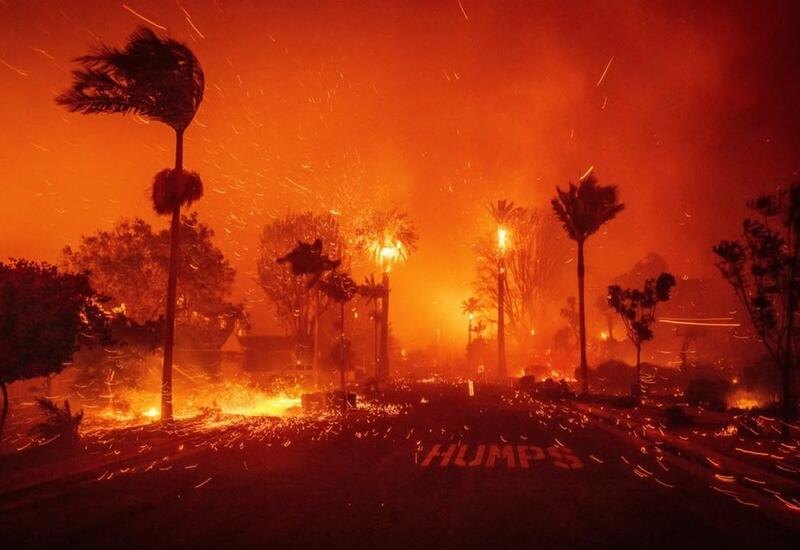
(134, 407)
(388, 252)
(502, 238)
(744, 400)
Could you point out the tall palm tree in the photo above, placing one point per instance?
(158, 79)
(583, 209)
(504, 213)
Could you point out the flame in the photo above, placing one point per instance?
(745, 401)
(388, 252)
(502, 238)
(133, 407)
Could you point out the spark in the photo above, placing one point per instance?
(203, 483)
(602, 76)
(586, 175)
(143, 18)
(189, 19)
(698, 323)
(41, 51)
(463, 11)
(13, 68)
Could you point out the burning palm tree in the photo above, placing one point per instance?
(159, 79)
(583, 209)
(389, 237)
(504, 214)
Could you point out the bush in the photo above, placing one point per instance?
(613, 376)
(60, 421)
(676, 417)
(550, 389)
(711, 393)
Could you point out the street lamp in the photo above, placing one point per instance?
(502, 244)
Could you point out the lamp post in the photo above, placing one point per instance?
(502, 236)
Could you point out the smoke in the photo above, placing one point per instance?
(324, 105)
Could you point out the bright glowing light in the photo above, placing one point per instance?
(604, 336)
(502, 238)
(744, 400)
(152, 412)
(533, 332)
(388, 253)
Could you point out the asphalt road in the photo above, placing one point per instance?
(505, 474)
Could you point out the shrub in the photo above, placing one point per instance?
(711, 393)
(60, 421)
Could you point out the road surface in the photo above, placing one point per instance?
(438, 470)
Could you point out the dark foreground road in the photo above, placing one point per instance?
(505, 474)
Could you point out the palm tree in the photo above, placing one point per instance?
(583, 209)
(159, 79)
(389, 237)
(341, 288)
(470, 307)
(503, 213)
(373, 292)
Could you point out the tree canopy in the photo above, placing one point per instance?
(764, 271)
(584, 208)
(45, 317)
(531, 262)
(159, 79)
(129, 264)
(290, 294)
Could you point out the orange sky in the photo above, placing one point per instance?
(418, 104)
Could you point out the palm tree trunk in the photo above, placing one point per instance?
(502, 371)
(342, 358)
(315, 358)
(5, 408)
(469, 345)
(637, 384)
(383, 371)
(172, 286)
(582, 322)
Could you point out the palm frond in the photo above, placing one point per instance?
(171, 189)
(157, 78)
(584, 208)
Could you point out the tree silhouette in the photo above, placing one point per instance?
(292, 291)
(637, 308)
(307, 263)
(373, 292)
(583, 209)
(531, 262)
(340, 288)
(159, 79)
(764, 271)
(45, 317)
(129, 263)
